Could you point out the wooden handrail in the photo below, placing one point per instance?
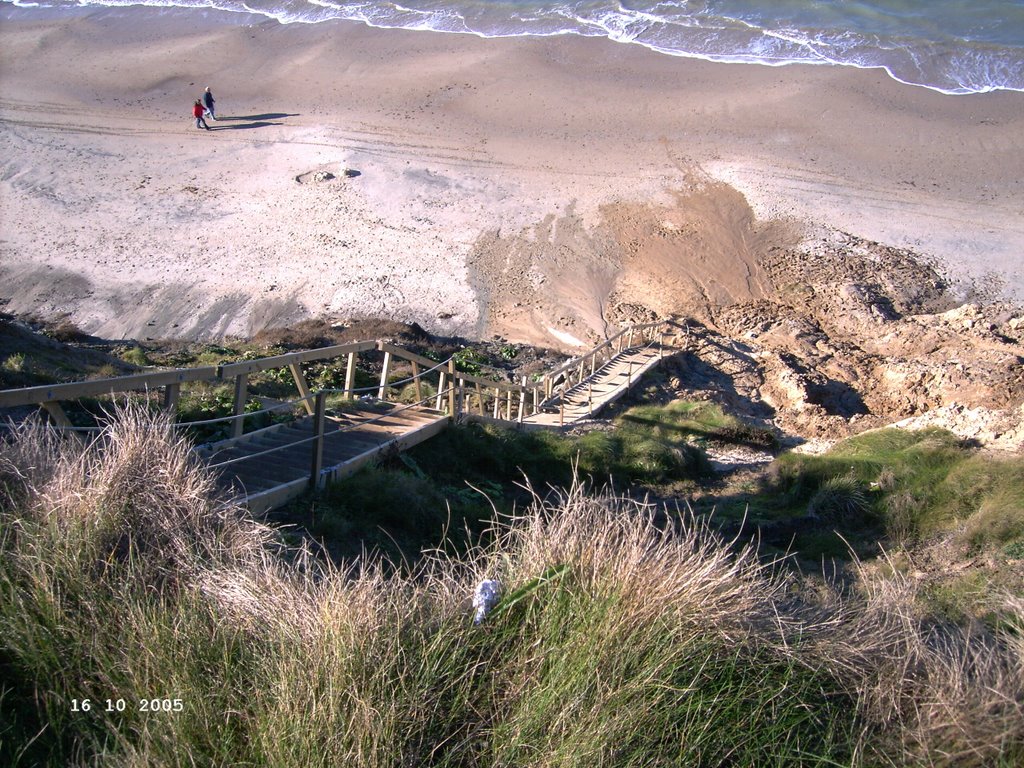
(453, 386)
(10, 398)
(230, 370)
(607, 343)
(405, 354)
(469, 377)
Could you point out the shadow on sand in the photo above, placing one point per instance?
(242, 122)
(267, 116)
(242, 126)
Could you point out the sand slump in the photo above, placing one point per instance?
(547, 284)
(702, 252)
(562, 279)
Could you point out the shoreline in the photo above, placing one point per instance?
(505, 186)
(611, 28)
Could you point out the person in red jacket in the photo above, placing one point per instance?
(197, 113)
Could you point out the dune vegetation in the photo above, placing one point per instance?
(145, 620)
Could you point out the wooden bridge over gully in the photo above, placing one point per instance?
(324, 435)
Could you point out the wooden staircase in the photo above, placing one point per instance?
(604, 386)
(270, 466)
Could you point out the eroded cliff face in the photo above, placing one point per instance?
(855, 335)
(821, 335)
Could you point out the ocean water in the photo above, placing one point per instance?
(951, 46)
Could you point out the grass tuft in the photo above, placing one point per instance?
(840, 500)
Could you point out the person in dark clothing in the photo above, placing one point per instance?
(197, 113)
(208, 102)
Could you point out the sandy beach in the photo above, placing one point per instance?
(539, 189)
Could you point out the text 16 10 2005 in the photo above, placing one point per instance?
(122, 705)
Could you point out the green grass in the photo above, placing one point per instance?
(647, 446)
(392, 511)
(691, 422)
(840, 501)
(912, 485)
(135, 355)
(618, 642)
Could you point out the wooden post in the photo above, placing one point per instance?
(241, 388)
(382, 390)
(508, 405)
(497, 402)
(171, 394)
(452, 385)
(522, 401)
(416, 381)
(451, 389)
(56, 413)
(561, 410)
(303, 387)
(593, 362)
(350, 376)
(590, 397)
(461, 400)
(630, 344)
(440, 391)
(317, 463)
(536, 399)
(480, 398)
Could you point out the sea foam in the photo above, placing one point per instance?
(951, 46)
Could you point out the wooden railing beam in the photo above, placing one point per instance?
(172, 393)
(73, 391)
(229, 370)
(440, 390)
(56, 414)
(350, 376)
(451, 388)
(416, 381)
(385, 371)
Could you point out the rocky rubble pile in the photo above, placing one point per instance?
(856, 336)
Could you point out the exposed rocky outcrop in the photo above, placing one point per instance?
(856, 335)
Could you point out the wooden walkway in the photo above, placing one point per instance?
(269, 467)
